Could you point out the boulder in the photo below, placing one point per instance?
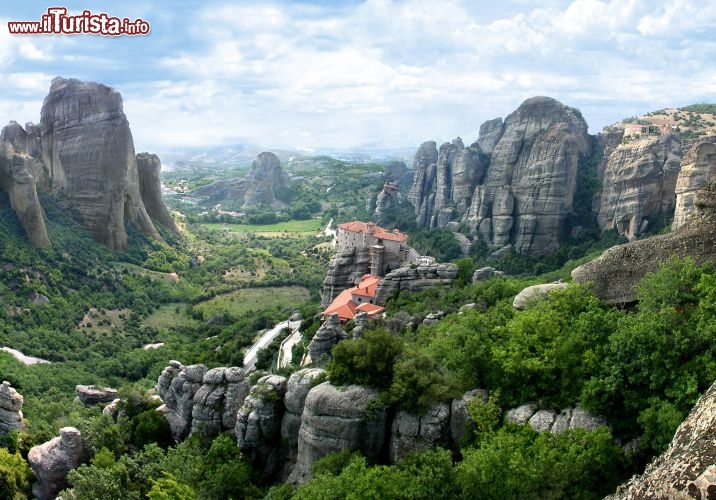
(325, 338)
(534, 293)
(338, 419)
(90, 395)
(10, 409)
(415, 279)
(51, 461)
(459, 417)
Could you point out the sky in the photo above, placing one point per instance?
(364, 74)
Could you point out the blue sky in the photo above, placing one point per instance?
(377, 73)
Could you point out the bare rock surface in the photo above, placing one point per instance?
(17, 180)
(415, 279)
(336, 419)
(176, 386)
(412, 433)
(10, 409)
(217, 401)
(618, 270)
(698, 165)
(93, 394)
(258, 424)
(150, 189)
(686, 467)
(51, 461)
(88, 154)
(534, 293)
(344, 271)
(552, 421)
(639, 184)
(328, 335)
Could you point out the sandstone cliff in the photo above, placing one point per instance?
(150, 189)
(51, 461)
(266, 184)
(344, 271)
(415, 279)
(685, 469)
(89, 159)
(10, 409)
(639, 180)
(698, 165)
(617, 271)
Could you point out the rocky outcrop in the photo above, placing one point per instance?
(459, 416)
(88, 156)
(490, 134)
(177, 386)
(388, 199)
(217, 401)
(534, 293)
(639, 183)
(10, 409)
(552, 421)
(415, 279)
(398, 172)
(447, 185)
(17, 181)
(297, 388)
(485, 273)
(51, 461)
(150, 189)
(412, 433)
(338, 419)
(617, 271)
(519, 196)
(90, 395)
(328, 335)
(683, 469)
(344, 270)
(266, 184)
(258, 424)
(698, 165)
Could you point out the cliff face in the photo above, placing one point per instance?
(698, 165)
(639, 184)
(266, 184)
(88, 154)
(522, 194)
(18, 182)
(150, 189)
(617, 271)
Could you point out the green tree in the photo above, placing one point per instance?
(14, 475)
(368, 360)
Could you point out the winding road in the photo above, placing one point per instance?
(264, 341)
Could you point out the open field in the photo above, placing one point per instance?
(169, 316)
(288, 229)
(253, 299)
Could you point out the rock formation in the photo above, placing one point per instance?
(412, 433)
(328, 335)
(490, 134)
(443, 189)
(617, 271)
(398, 172)
(51, 461)
(266, 184)
(150, 189)
(88, 156)
(258, 424)
(388, 199)
(344, 271)
(534, 293)
(639, 183)
(17, 181)
(335, 420)
(415, 279)
(10, 409)
(90, 395)
(177, 386)
(698, 165)
(686, 466)
(551, 421)
(217, 401)
(297, 388)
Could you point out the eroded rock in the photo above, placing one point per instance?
(10, 409)
(217, 401)
(51, 461)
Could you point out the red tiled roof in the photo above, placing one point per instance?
(344, 305)
(370, 309)
(377, 231)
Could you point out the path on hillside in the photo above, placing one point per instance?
(264, 341)
(285, 354)
(22, 358)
